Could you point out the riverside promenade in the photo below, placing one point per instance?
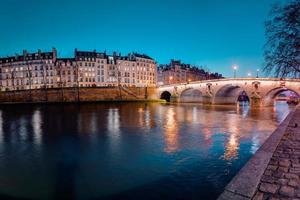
(273, 173)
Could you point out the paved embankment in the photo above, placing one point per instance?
(281, 177)
(274, 171)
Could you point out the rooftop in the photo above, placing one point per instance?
(77, 54)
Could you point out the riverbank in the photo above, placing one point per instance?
(89, 94)
(273, 172)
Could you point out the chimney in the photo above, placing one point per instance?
(39, 53)
(75, 53)
(25, 52)
(54, 53)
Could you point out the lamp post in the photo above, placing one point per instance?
(257, 73)
(234, 71)
(170, 79)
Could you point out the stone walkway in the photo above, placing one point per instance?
(281, 179)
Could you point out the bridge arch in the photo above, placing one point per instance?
(229, 94)
(191, 95)
(269, 98)
(165, 95)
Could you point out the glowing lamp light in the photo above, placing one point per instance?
(234, 67)
(257, 71)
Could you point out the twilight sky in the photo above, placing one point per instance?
(215, 33)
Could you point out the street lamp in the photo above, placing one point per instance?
(257, 73)
(170, 79)
(234, 70)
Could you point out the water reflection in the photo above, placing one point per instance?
(231, 148)
(144, 117)
(195, 114)
(23, 129)
(113, 124)
(255, 143)
(243, 108)
(171, 131)
(113, 128)
(1, 128)
(129, 150)
(36, 124)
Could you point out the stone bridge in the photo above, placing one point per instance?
(261, 91)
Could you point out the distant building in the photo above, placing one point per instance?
(86, 69)
(177, 72)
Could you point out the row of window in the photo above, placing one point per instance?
(10, 63)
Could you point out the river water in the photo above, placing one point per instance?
(128, 150)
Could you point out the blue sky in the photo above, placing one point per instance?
(214, 33)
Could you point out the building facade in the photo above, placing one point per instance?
(86, 69)
(178, 72)
(100, 69)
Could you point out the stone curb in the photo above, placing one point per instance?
(244, 185)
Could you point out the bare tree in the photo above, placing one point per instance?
(282, 50)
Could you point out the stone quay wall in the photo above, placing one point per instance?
(88, 94)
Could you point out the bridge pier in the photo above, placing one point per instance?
(174, 99)
(255, 102)
(225, 100)
(207, 100)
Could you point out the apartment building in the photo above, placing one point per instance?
(178, 72)
(86, 69)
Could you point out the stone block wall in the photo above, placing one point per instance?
(78, 95)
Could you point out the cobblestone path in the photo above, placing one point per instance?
(281, 179)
